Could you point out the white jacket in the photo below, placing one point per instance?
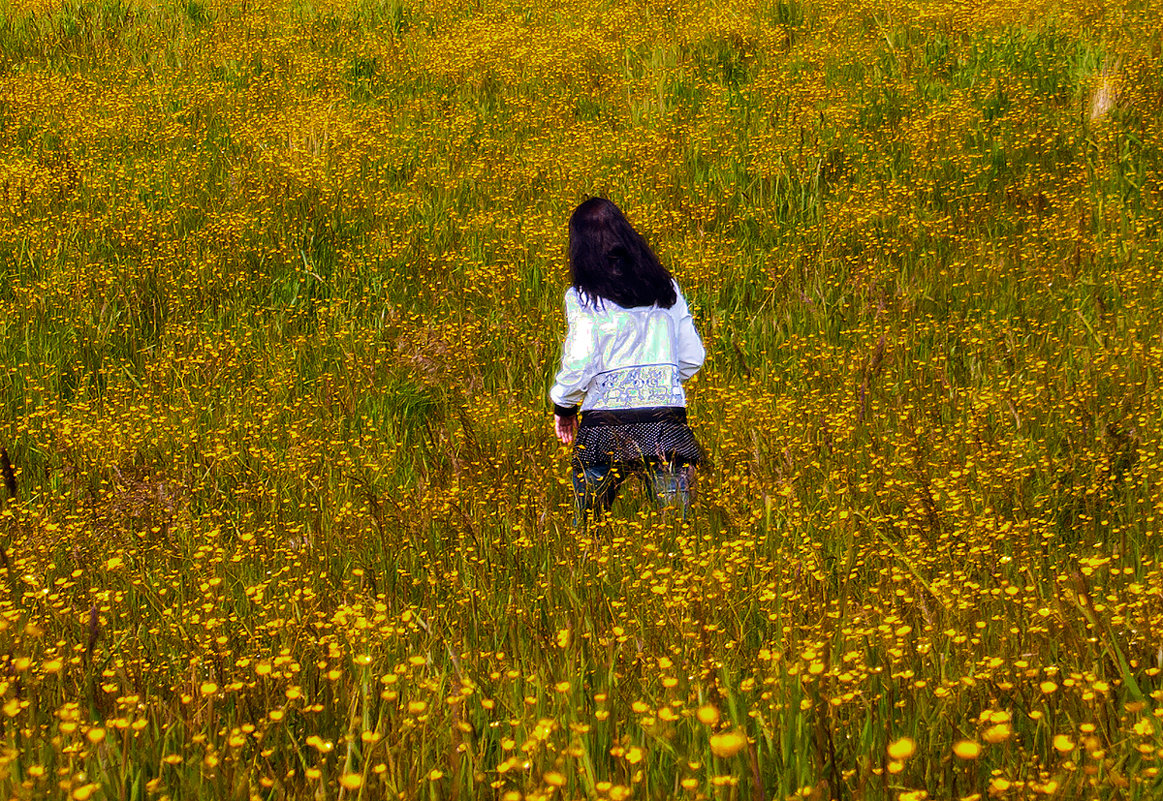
(617, 358)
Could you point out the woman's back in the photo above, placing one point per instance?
(627, 358)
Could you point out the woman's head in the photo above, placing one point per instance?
(609, 260)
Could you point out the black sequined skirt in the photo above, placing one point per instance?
(635, 438)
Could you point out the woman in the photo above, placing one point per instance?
(631, 345)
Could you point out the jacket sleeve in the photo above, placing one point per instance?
(577, 359)
(690, 351)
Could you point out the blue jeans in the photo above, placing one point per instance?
(594, 488)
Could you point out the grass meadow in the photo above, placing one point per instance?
(280, 302)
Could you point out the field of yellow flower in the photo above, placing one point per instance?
(280, 300)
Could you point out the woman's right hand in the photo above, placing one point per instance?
(565, 428)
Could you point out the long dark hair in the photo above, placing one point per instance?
(609, 260)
